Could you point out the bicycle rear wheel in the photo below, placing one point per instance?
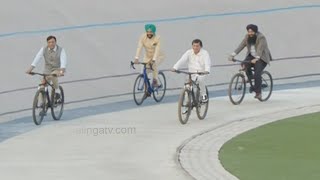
(159, 92)
(266, 86)
(39, 107)
(57, 103)
(202, 107)
(237, 89)
(184, 106)
(139, 90)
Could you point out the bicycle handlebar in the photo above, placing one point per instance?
(44, 75)
(240, 61)
(143, 63)
(190, 73)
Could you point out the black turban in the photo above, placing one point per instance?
(253, 27)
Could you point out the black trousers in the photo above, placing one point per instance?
(258, 68)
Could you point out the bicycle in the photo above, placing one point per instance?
(142, 88)
(189, 99)
(43, 100)
(237, 86)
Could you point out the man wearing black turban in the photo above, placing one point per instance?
(258, 54)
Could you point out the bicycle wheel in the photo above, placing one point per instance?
(202, 108)
(57, 103)
(266, 86)
(184, 106)
(139, 90)
(159, 92)
(39, 107)
(237, 89)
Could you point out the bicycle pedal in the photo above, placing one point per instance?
(185, 111)
(42, 113)
(251, 90)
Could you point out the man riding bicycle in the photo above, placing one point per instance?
(198, 60)
(55, 61)
(258, 55)
(153, 55)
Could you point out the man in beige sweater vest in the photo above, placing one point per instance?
(153, 54)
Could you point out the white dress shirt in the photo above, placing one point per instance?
(39, 56)
(196, 62)
(253, 51)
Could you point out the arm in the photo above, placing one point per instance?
(36, 61)
(241, 46)
(157, 50)
(140, 45)
(63, 60)
(183, 60)
(38, 57)
(207, 62)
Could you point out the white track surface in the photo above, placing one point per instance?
(63, 151)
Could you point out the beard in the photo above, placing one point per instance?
(149, 36)
(252, 39)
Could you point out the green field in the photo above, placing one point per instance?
(284, 150)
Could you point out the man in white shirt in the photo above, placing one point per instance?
(55, 60)
(198, 60)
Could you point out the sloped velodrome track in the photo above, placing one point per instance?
(100, 39)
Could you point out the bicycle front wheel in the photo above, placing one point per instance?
(57, 103)
(202, 107)
(159, 92)
(139, 90)
(39, 107)
(237, 89)
(266, 86)
(184, 106)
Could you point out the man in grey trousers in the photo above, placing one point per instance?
(258, 55)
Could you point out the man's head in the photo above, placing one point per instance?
(52, 41)
(150, 30)
(196, 45)
(252, 30)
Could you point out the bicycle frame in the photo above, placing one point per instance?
(243, 71)
(192, 83)
(44, 87)
(146, 80)
(195, 99)
(46, 93)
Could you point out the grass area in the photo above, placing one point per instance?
(284, 150)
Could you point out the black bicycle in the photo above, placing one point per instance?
(237, 86)
(44, 100)
(190, 98)
(142, 87)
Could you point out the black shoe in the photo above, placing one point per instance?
(264, 85)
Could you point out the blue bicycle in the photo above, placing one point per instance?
(143, 89)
